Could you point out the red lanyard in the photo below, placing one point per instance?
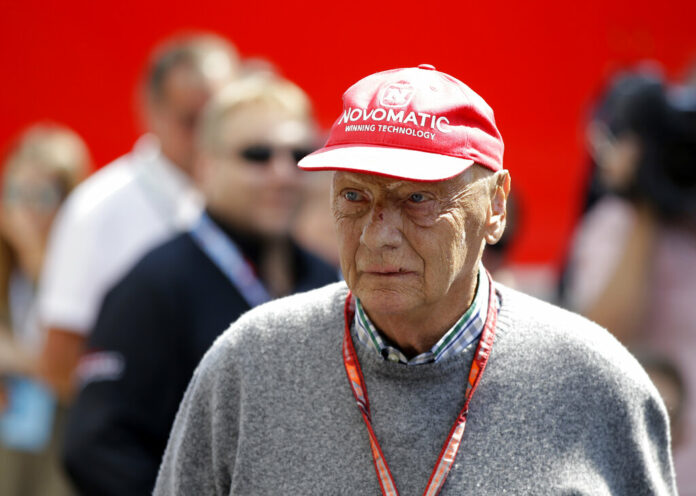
(451, 446)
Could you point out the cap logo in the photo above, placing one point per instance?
(413, 123)
(396, 95)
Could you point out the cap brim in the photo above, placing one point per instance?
(400, 163)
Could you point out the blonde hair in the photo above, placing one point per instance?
(260, 87)
(57, 150)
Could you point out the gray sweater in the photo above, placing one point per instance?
(562, 408)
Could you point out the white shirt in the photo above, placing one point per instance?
(105, 226)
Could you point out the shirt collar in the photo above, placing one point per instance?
(168, 186)
(464, 332)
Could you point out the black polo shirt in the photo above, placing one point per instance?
(153, 328)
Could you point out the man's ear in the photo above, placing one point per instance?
(497, 209)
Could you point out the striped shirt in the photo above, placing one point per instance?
(464, 332)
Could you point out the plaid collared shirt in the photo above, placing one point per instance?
(467, 330)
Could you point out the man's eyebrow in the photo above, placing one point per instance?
(391, 186)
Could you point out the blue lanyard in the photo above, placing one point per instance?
(225, 254)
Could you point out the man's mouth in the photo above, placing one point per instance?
(387, 271)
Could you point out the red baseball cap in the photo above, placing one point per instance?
(416, 123)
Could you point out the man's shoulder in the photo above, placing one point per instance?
(574, 343)
(161, 264)
(110, 189)
(297, 322)
(313, 271)
(292, 315)
(533, 314)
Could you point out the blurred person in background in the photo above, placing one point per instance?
(47, 162)
(633, 264)
(132, 204)
(156, 323)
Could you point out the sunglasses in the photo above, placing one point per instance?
(44, 198)
(263, 154)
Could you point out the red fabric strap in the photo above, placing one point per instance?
(451, 446)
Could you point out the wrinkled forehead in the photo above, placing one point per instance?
(449, 187)
(382, 182)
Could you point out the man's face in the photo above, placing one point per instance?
(252, 180)
(409, 247)
(173, 116)
(617, 157)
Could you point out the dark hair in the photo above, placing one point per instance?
(666, 130)
(191, 50)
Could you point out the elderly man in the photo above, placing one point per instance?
(420, 374)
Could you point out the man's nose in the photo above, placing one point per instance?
(382, 229)
(284, 167)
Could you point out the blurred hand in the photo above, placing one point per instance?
(5, 353)
(13, 360)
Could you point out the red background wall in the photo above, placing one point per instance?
(537, 63)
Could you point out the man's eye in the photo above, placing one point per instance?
(417, 197)
(351, 196)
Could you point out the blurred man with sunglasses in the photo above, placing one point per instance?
(420, 374)
(130, 205)
(157, 322)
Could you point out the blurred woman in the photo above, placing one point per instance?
(633, 265)
(41, 169)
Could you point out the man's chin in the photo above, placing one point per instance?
(385, 301)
